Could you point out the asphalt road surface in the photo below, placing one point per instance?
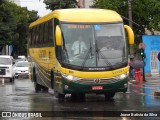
(139, 101)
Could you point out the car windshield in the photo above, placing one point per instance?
(5, 61)
(22, 64)
(16, 60)
(96, 45)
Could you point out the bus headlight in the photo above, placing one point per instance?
(70, 77)
(123, 76)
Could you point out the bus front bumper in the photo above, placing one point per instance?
(92, 87)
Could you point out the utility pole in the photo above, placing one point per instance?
(130, 12)
(130, 23)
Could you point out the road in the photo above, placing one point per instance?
(21, 97)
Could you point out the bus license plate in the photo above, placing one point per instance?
(97, 87)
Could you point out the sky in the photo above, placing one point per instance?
(37, 5)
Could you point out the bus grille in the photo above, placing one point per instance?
(2, 71)
(106, 80)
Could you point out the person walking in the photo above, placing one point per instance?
(131, 70)
(138, 75)
(138, 65)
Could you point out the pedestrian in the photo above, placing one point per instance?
(131, 70)
(138, 75)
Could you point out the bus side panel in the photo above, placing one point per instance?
(44, 61)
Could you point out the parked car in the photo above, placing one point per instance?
(17, 60)
(22, 57)
(20, 69)
(6, 67)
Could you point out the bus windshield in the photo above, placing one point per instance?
(93, 45)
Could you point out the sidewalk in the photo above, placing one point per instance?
(150, 79)
(152, 82)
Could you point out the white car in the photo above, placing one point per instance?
(6, 67)
(20, 69)
(22, 57)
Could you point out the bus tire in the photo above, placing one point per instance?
(45, 89)
(109, 95)
(52, 79)
(37, 87)
(59, 95)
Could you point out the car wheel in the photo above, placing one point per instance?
(45, 89)
(11, 79)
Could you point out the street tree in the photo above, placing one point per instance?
(145, 13)
(14, 22)
(60, 4)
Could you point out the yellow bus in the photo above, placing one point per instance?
(79, 51)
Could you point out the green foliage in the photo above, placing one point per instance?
(14, 22)
(144, 12)
(60, 4)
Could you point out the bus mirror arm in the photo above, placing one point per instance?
(130, 34)
(58, 36)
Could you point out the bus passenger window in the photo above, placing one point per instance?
(30, 39)
(41, 28)
(36, 36)
(45, 33)
(50, 31)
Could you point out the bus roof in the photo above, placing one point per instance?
(81, 15)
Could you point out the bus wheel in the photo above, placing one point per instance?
(59, 95)
(109, 95)
(37, 87)
(45, 89)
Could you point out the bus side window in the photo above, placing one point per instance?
(30, 37)
(50, 31)
(45, 33)
(36, 35)
(34, 40)
(31, 42)
(41, 34)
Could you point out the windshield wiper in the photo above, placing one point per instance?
(86, 57)
(106, 60)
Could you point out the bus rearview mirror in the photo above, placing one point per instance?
(130, 34)
(58, 36)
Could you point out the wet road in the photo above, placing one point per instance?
(20, 96)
